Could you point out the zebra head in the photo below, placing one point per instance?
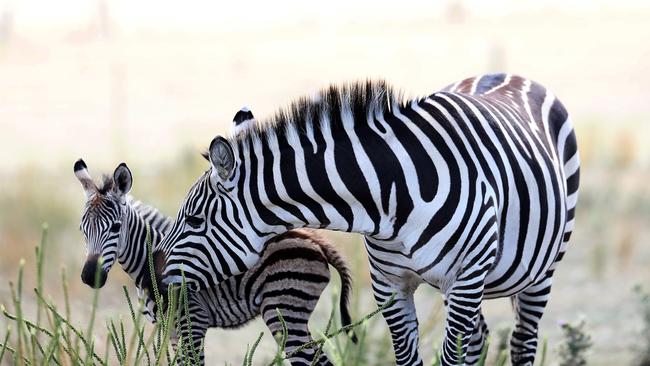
(211, 228)
(101, 221)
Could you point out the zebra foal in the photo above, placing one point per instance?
(290, 276)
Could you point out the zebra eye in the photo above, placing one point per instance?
(115, 227)
(194, 221)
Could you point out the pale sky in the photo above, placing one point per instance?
(206, 14)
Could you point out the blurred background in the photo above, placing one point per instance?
(151, 82)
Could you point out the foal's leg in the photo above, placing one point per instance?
(297, 330)
(529, 307)
(189, 336)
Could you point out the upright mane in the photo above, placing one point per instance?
(362, 99)
(106, 184)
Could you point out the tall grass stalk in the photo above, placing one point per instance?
(4, 346)
(319, 350)
(642, 346)
(40, 255)
(542, 360)
(90, 344)
(16, 294)
(52, 337)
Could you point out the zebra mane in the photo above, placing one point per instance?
(106, 184)
(362, 99)
(158, 220)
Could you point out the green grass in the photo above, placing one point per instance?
(50, 337)
(54, 339)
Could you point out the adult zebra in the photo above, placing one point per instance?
(472, 190)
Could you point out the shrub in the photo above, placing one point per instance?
(642, 349)
(575, 344)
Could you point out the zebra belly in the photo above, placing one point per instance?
(524, 254)
(226, 310)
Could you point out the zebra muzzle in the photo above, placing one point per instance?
(92, 273)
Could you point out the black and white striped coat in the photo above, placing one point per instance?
(290, 276)
(471, 190)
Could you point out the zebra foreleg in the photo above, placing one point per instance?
(463, 313)
(401, 318)
(529, 307)
(477, 341)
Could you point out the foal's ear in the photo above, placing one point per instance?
(222, 158)
(81, 172)
(123, 179)
(243, 120)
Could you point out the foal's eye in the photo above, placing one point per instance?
(115, 227)
(194, 221)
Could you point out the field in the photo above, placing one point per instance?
(153, 93)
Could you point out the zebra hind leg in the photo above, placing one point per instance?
(297, 333)
(529, 307)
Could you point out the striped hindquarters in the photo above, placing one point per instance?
(541, 125)
(290, 278)
(293, 274)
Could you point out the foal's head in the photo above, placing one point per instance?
(101, 222)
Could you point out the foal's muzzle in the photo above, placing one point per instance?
(90, 275)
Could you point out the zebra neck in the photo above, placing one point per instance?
(316, 177)
(134, 254)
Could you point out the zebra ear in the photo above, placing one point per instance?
(222, 158)
(81, 171)
(243, 120)
(123, 179)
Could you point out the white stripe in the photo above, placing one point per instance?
(562, 136)
(572, 200)
(545, 111)
(569, 226)
(572, 165)
(472, 89)
(505, 82)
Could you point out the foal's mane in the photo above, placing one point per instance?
(106, 184)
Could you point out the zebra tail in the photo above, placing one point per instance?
(336, 260)
(570, 159)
